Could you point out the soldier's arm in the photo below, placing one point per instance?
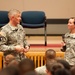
(26, 44)
(3, 43)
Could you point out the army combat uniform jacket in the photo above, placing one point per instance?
(12, 36)
(70, 48)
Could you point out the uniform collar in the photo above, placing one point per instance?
(13, 27)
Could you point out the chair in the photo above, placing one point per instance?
(34, 19)
(3, 18)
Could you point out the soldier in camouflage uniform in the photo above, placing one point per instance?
(12, 37)
(69, 39)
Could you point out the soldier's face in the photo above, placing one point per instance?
(17, 18)
(71, 24)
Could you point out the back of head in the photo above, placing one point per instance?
(9, 58)
(13, 63)
(62, 72)
(72, 70)
(26, 65)
(11, 70)
(50, 54)
(31, 73)
(53, 66)
(64, 63)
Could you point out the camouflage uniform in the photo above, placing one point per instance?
(12, 36)
(70, 48)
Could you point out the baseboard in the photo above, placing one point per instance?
(44, 35)
(57, 21)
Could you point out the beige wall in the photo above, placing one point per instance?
(53, 8)
(11, 4)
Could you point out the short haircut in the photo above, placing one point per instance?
(50, 54)
(53, 66)
(26, 65)
(64, 63)
(31, 73)
(13, 12)
(11, 70)
(62, 72)
(72, 70)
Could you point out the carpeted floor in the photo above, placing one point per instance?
(37, 43)
(48, 45)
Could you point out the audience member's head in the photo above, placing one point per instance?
(13, 63)
(8, 59)
(31, 73)
(52, 67)
(26, 65)
(11, 70)
(64, 63)
(62, 72)
(72, 70)
(50, 54)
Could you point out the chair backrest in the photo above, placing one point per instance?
(33, 17)
(3, 18)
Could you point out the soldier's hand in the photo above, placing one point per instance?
(19, 48)
(62, 44)
(26, 49)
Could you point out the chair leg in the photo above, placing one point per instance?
(45, 36)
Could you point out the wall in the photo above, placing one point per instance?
(53, 8)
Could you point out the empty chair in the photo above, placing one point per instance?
(34, 19)
(3, 18)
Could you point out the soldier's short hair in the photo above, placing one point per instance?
(73, 18)
(13, 12)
